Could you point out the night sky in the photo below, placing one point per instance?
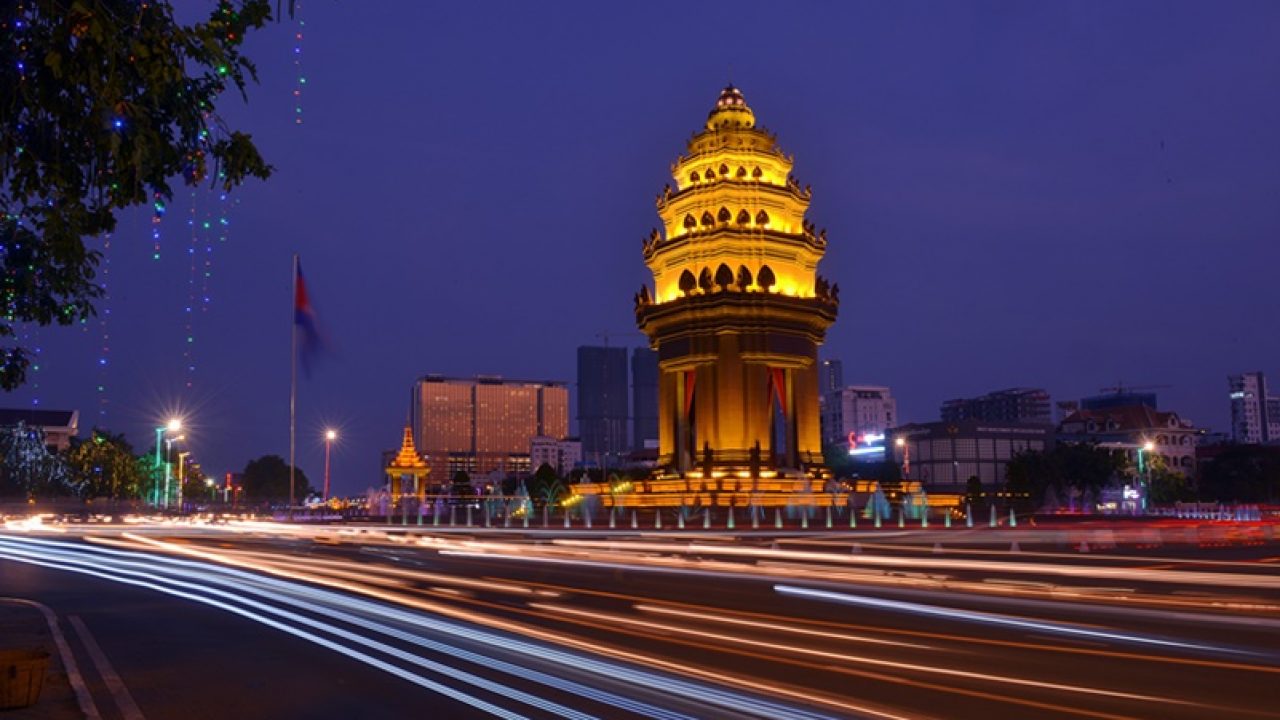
(1015, 193)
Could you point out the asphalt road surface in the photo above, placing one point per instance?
(265, 620)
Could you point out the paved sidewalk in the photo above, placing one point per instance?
(24, 627)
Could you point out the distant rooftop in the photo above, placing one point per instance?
(39, 418)
(489, 380)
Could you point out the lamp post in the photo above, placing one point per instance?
(906, 457)
(173, 426)
(213, 489)
(329, 437)
(1144, 472)
(181, 476)
(155, 489)
(168, 466)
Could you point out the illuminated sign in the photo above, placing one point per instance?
(866, 444)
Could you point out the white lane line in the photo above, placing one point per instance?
(119, 693)
(83, 697)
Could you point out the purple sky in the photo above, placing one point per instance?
(1015, 193)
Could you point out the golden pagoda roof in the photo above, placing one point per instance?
(731, 111)
(408, 457)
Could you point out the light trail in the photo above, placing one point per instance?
(944, 563)
(855, 659)
(463, 600)
(282, 627)
(577, 661)
(67, 560)
(992, 618)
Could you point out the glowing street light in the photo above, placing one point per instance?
(906, 456)
(1144, 471)
(172, 426)
(329, 436)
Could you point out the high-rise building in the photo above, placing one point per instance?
(1255, 415)
(644, 399)
(484, 423)
(602, 404)
(857, 412)
(830, 376)
(1015, 405)
(737, 310)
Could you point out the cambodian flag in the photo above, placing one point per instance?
(304, 318)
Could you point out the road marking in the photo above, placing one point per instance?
(119, 693)
(83, 697)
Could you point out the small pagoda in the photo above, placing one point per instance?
(407, 464)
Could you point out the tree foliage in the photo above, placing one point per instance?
(1082, 467)
(267, 479)
(103, 103)
(27, 468)
(545, 483)
(461, 485)
(1242, 473)
(104, 466)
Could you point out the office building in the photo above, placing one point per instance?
(1015, 405)
(602, 404)
(562, 455)
(944, 455)
(1255, 414)
(644, 400)
(484, 424)
(855, 413)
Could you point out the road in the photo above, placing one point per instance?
(378, 621)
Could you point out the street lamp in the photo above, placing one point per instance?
(168, 466)
(181, 475)
(329, 436)
(213, 489)
(906, 457)
(173, 426)
(1144, 475)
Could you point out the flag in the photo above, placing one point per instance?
(304, 320)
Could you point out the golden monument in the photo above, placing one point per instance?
(736, 314)
(738, 310)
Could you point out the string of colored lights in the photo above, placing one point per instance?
(104, 318)
(157, 216)
(297, 64)
(36, 351)
(188, 345)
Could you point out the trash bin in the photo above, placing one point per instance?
(21, 677)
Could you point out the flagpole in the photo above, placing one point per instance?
(293, 381)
